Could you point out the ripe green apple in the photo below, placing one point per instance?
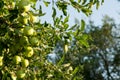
(13, 5)
(28, 51)
(33, 18)
(23, 20)
(24, 40)
(26, 8)
(28, 31)
(25, 63)
(24, 5)
(20, 74)
(13, 76)
(1, 60)
(17, 59)
(34, 41)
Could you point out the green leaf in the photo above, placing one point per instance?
(46, 3)
(64, 12)
(54, 13)
(82, 25)
(61, 60)
(73, 27)
(102, 2)
(75, 71)
(84, 42)
(84, 1)
(66, 19)
(97, 4)
(79, 1)
(66, 26)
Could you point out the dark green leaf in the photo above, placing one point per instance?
(97, 4)
(54, 12)
(64, 12)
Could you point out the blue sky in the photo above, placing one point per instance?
(110, 8)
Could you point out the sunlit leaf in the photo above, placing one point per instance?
(82, 25)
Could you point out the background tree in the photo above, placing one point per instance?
(102, 62)
(25, 42)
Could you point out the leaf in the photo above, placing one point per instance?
(84, 42)
(102, 2)
(61, 60)
(75, 71)
(66, 26)
(73, 27)
(54, 13)
(82, 25)
(84, 1)
(79, 1)
(97, 4)
(66, 19)
(64, 12)
(46, 3)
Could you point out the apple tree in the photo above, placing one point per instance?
(25, 41)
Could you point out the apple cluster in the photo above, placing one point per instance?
(22, 37)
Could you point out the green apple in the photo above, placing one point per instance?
(33, 18)
(13, 5)
(25, 63)
(20, 74)
(17, 59)
(23, 20)
(34, 41)
(28, 51)
(28, 31)
(24, 5)
(13, 76)
(26, 8)
(24, 40)
(1, 60)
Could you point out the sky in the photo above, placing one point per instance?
(110, 8)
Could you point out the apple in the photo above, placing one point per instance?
(24, 40)
(33, 18)
(28, 51)
(13, 76)
(13, 5)
(24, 5)
(34, 41)
(20, 74)
(17, 59)
(29, 31)
(23, 20)
(26, 8)
(1, 60)
(25, 63)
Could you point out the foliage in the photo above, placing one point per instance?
(25, 42)
(102, 62)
